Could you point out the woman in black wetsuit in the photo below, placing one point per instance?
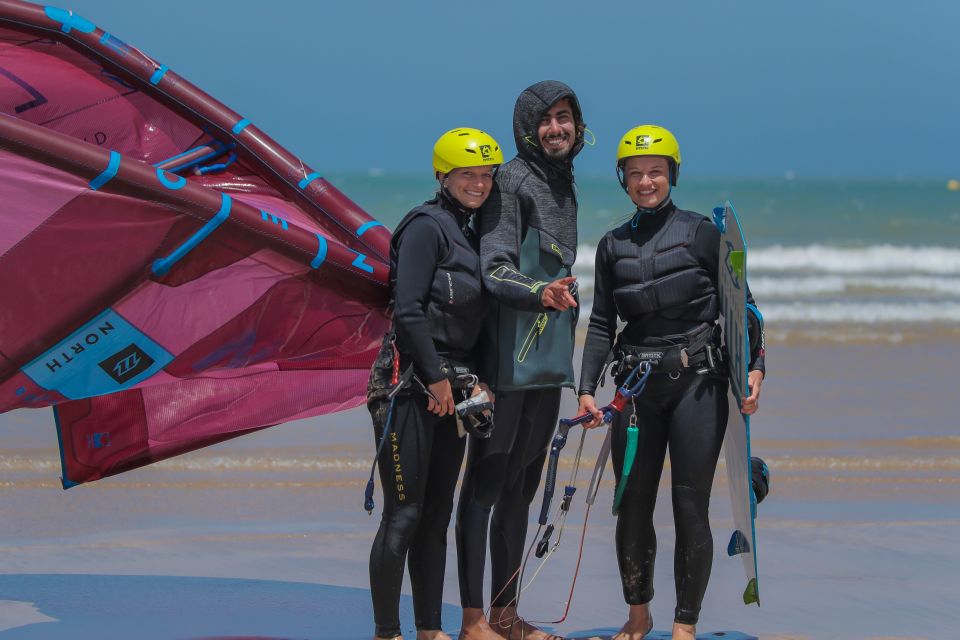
(658, 273)
(437, 301)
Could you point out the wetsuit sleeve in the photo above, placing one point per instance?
(417, 257)
(706, 246)
(501, 232)
(603, 322)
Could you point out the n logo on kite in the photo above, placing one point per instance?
(126, 363)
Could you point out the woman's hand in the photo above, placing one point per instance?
(752, 402)
(589, 405)
(443, 392)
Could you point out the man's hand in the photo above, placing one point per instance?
(556, 295)
(589, 405)
(754, 382)
(443, 392)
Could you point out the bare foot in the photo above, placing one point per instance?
(475, 627)
(432, 634)
(506, 622)
(684, 631)
(638, 625)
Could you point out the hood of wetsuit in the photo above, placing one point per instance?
(532, 104)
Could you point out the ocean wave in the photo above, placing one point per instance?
(863, 463)
(861, 312)
(818, 258)
(854, 313)
(864, 260)
(768, 287)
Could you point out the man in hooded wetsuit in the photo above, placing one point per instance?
(528, 244)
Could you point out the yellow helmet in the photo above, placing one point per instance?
(649, 140)
(465, 147)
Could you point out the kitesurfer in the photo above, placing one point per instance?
(438, 308)
(658, 273)
(528, 245)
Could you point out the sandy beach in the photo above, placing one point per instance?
(265, 536)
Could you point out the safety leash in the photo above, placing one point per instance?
(399, 382)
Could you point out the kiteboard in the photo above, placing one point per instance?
(733, 309)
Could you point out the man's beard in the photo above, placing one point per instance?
(557, 154)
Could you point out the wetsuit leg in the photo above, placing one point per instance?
(697, 426)
(482, 483)
(508, 526)
(512, 458)
(636, 538)
(404, 467)
(428, 552)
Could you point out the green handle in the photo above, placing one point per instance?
(633, 435)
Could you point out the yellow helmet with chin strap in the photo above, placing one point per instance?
(465, 147)
(649, 140)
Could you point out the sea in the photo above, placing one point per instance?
(828, 259)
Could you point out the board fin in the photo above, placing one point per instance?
(750, 594)
(738, 544)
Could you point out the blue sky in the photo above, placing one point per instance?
(846, 88)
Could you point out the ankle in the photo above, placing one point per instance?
(684, 631)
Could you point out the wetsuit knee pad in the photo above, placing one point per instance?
(401, 526)
(691, 509)
(489, 479)
(531, 478)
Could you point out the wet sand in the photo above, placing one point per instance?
(265, 536)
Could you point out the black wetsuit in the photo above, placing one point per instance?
(686, 412)
(436, 290)
(529, 238)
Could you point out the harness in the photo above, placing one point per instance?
(697, 349)
(474, 414)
